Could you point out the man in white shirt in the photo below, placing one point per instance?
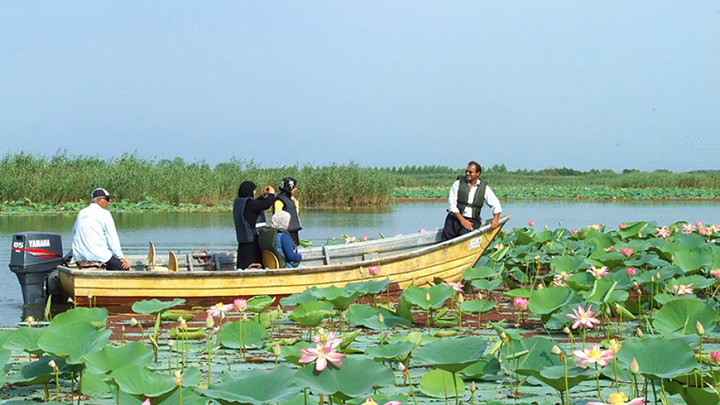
(95, 238)
(467, 196)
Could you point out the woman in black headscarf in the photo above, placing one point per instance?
(246, 210)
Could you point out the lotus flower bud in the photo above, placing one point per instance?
(427, 297)
(133, 322)
(504, 337)
(245, 318)
(374, 270)
(472, 387)
(276, 349)
(381, 319)
(634, 366)
(171, 343)
(401, 366)
(715, 356)
(52, 364)
(639, 333)
(567, 331)
(209, 322)
(699, 328)
(178, 378)
(555, 350)
(70, 300)
(122, 328)
(461, 298)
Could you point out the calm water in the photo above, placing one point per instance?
(186, 231)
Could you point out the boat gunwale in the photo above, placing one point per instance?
(425, 250)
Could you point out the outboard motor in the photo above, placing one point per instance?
(34, 255)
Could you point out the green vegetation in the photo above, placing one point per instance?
(31, 183)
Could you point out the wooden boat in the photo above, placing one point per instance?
(407, 260)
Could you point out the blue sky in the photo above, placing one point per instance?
(528, 84)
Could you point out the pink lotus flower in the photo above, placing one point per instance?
(531, 222)
(702, 231)
(559, 279)
(327, 339)
(715, 356)
(716, 274)
(458, 287)
(374, 270)
(698, 224)
(520, 303)
(147, 402)
(623, 225)
(583, 318)
(596, 227)
(598, 272)
(688, 228)
(618, 398)
(321, 355)
(627, 252)
(682, 289)
(240, 304)
(662, 232)
(631, 271)
(421, 230)
(219, 309)
(370, 401)
(364, 238)
(594, 355)
(574, 231)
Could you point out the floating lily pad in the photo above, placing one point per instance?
(390, 352)
(73, 340)
(112, 358)
(259, 303)
(368, 287)
(363, 315)
(356, 378)
(441, 384)
(477, 306)
(253, 334)
(551, 299)
(451, 354)
(155, 306)
(257, 388)
(135, 379)
(438, 294)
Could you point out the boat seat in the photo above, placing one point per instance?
(172, 262)
(270, 261)
(89, 264)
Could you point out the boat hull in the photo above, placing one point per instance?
(444, 260)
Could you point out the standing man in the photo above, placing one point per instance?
(94, 236)
(467, 196)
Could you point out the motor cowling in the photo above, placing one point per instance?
(34, 255)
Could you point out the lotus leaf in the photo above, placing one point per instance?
(438, 294)
(96, 316)
(340, 297)
(451, 354)
(632, 229)
(477, 306)
(509, 333)
(296, 299)
(604, 292)
(363, 315)
(95, 384)
(312, 313)
(189, 397)
(356, 378)
(259, 303)
(679, 316)
(390, 352)
(73, 340)
(39, 372)
(693, 395)
(292, 353)
(519, 292)
(691, 241)
(175, 316)
(112, 358)
(479, 272)
(524, 236)
(368, 287)
(155, 306)
(485, 367)
(135, 379)
(698, 282)
(267, 318)
(538, 355)
(554, 376)
(252, 334)
(441, 384)
(568, 264)
(488, 285)
(653, 359)
(692, 260)
(25, 339)
(549, 300)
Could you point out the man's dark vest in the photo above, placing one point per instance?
(289, 206)
(267, 238)
(243, 232)
(464, 193)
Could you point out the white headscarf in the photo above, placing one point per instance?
(281, 220)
